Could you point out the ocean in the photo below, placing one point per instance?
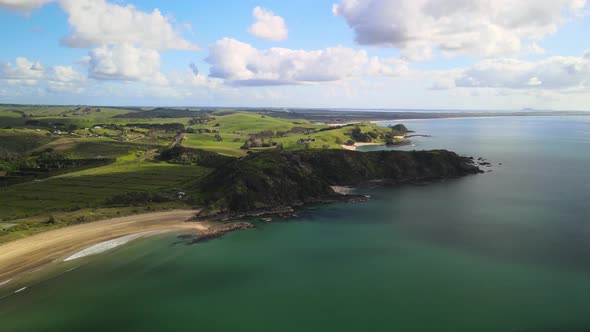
(507, 250)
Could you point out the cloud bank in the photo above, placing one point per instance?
(552, 73)
(98, 23)
(243, 64)
(456, 27)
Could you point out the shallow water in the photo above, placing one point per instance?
(502, 251)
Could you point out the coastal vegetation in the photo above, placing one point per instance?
(272, 180)
(65, 165)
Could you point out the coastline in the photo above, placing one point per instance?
(457, 118)
(492, 116)
(105, 246)
(470, 116)
(36, 252)
(33, 253)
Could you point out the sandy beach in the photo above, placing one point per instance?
(356, 145)
(34, 252)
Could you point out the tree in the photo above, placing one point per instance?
(51, 220)
(359, 136)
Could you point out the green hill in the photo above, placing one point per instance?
(272, 179)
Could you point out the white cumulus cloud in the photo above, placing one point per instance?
(554, 73)
(22, 68)
(456, 27)
(268, 26)
(243, 64)
(123, 62)
(98, 23)
(65, 74)
(25, 74)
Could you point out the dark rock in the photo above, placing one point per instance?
(220, 230)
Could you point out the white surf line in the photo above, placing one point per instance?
(20, 290)
(2, 283)
(108, 245)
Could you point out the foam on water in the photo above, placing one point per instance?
(20, 290)
(108, 245)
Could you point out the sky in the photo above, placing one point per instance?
(392, 54)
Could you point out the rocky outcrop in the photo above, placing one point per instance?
(215, 232)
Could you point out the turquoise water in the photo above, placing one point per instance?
(507, 250)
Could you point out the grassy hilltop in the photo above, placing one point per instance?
(62, 165)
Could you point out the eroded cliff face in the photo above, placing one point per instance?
(273, 179)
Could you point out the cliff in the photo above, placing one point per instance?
(272, 179)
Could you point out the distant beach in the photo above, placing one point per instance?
(356, 145)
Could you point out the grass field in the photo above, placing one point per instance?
(80, 132)
(90, 188)
(29, 141)
(229, 146)
(16, 116)
(252, 123)
(96, 147)
(22, 140)
(332, 139)
(235, 128)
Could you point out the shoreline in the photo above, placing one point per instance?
(108, 245)
(493, 116)
(30, 254)
(457, 118)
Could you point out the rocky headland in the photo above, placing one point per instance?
(274, 182)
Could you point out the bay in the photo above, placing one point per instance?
(507, 250)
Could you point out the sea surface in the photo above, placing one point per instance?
(508, 250)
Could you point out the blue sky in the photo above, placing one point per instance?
(421, 54)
